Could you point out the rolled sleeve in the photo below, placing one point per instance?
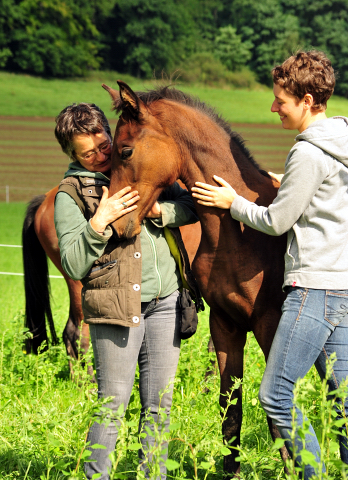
(177, 208)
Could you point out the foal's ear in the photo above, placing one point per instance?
(114, 94)
(130, 100)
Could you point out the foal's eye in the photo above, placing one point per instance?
(126, 153)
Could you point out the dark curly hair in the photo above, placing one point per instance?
(307, 72)
(77, 119)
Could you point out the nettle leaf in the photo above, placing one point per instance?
(120, 410)
(175, 426)
(340, 422)
(86, 454)
(95, 476)
(308, 458)
(278, 443)
(61, 464)
(225, 451)
(333, 447)
(134, 446)
(98, 446)
(171, 464)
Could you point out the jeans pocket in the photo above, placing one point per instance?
(336, 306)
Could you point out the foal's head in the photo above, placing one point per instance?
(145, 154)
(157, 135)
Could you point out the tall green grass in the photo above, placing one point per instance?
(44, 415)
(24, 95)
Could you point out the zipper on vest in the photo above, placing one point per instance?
(156, 261)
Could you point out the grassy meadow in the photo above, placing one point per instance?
(44, 415)
(24, 95)
(31, 161)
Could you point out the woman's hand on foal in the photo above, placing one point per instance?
(114, 207)
(210, 196)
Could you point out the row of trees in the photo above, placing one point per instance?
(71, 37)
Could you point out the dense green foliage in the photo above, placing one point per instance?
(71, 37)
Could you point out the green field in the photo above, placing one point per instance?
(32, 163)
(44, 415)
(23, 95)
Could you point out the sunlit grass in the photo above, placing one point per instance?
(24, 95)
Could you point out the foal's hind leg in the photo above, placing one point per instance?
(264, 334)
(229, 344)
(211, 370)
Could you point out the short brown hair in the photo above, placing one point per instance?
(77, 119)
(307, 72)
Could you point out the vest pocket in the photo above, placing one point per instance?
(103, 276)
(90, 304)
(104, 304)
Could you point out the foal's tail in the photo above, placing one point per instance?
(36, 283)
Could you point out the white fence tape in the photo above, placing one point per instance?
(22, 274)
(17, 246)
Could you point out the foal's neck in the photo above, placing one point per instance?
(225, 158)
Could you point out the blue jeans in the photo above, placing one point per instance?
(155, 345)
(314, 324)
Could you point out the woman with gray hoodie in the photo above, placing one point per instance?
(312, 206)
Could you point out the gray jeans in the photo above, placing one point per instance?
(155, 345)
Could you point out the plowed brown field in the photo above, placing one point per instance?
(32, 163)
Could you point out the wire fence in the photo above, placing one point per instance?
(20, 194)
(17, 273)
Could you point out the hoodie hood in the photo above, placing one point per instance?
(331, 135)
(75, 169)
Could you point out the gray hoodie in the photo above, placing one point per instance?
(312, 206)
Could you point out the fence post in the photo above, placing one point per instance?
(7, 194)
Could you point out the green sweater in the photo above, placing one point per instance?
(80, 245)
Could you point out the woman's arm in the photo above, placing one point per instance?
(81, 243)
(177, 208)
(306, 168)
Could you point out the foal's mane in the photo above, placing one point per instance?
(171, 93)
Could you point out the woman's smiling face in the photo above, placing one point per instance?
(93, 151)
(292, 111)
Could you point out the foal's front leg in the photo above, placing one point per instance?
(229, 344)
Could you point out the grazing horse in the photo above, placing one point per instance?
(165, 135)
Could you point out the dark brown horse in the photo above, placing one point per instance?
(39, 239)
(165, 135)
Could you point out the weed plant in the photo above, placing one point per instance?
(44, 418)
(44, 415)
